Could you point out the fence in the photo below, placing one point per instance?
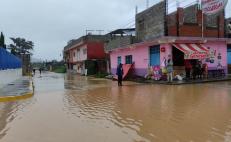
(8, 60)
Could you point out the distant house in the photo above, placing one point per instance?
(86, 54)
(178, 35)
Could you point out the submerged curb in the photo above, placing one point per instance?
(20, 97)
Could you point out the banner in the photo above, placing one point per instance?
(210, 7)
(196, 55)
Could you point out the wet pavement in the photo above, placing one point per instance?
(73, 108)
(19, 87)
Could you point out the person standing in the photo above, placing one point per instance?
(188, 68)
(120, 73)
(34, 71)
(40, 70)
(170, 70)
(229, 29)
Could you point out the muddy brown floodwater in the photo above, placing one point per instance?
(69, 108)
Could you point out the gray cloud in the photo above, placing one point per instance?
(51, 23)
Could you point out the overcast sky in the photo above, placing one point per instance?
(51, 23)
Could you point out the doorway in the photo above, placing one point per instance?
(155, 55)
(229, 58)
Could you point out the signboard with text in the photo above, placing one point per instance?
(210, 7)
(196, 55)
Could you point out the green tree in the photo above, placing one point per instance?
(2, 41)
(21, 46)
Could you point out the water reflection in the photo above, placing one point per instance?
(155, 112)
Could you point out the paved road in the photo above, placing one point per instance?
(79, 109)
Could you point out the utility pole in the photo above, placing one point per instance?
(165, 17)
(136, 9)
(147, 3)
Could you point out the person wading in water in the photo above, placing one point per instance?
(120, 73)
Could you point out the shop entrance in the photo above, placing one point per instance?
(178, 61)
(178, 57)
(229, 57)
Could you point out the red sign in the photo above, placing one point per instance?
(213, 6)
(162, 49)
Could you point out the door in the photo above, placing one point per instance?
(119, 60)
(229, 58)
(155, 55)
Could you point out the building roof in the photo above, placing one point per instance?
(129, 31)
(83, 39)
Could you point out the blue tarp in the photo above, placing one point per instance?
(8, 60)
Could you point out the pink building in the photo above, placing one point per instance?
(180, 35)
(212, 51)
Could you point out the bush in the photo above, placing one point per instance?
(101, 75)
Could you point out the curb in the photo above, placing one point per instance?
(20, 97)
(183, 83)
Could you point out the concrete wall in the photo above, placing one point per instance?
(140, 57)
(8, 76)
(150, 23)
(119, 42)
(188, 22)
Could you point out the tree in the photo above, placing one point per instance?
(2, 41)
(21, 46)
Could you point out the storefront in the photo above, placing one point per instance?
(212, 53)
(154, 54)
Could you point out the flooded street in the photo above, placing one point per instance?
(78, 109)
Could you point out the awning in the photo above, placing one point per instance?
(193, 51)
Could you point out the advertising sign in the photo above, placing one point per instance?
(196, 55)
(210, 7)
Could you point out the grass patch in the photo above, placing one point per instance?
(60, 69)
(101, 75)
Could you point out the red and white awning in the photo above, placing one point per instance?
(193, 51)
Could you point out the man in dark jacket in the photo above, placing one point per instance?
(119, 73)
(229, 29)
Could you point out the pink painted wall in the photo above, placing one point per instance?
(219, 47)
(140, 56)
(166, 54)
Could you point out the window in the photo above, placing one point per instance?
(128, 59)
(119, 60)
(84, 51)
